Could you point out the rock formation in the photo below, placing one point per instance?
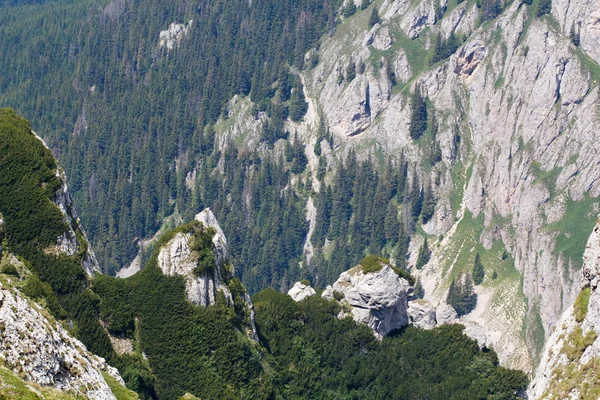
(300, 291)
(378, 299)
(36, 347)
(571, 358)
(422, 314)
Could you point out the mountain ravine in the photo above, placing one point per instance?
(517, 108)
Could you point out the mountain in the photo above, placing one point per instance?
(184, 325)
(455, 138)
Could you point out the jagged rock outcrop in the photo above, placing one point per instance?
(39, 350)
(174, 35)
(73, 240)
(300, 291)
(571, 358)
(177, 258)
(378, 299)
(421, 314)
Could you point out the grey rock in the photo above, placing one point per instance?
(476, 332)
(422, 314)
(300, 291)
(41, 351)
(445, 314)
(377, 299)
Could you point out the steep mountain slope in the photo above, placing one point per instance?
(515, 115)
(470, 124)
(570, 362)
(184, 324)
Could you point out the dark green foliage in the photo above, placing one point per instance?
(424, 255)
(373, 263)
(189, 349)
(418, 119)
(351, 71)
(374, 18)
(504, 255)
(490, 9)
(350, 9)
(544, 7)
(445, 48)
(364, 4)
(28, 183)
(10, 269)
(478, 270)
(429, 203)
(575, 36)
(107, 72)
(419, 292)
(298, 105)
(461, 295)
(298, 156)
(317, 356)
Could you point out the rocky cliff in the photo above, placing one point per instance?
(515, 107)
(571, 358)
(40, 351)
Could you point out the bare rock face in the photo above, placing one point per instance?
(300, 291)
(422, 314)
(571, 357)
(173, 36)
(477, 333)
(176, 258)
(38, 349)
(445, 314)
(377, 299)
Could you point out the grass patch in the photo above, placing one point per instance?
(120, 391)
(545, 177)
(581, 304)
(589, 64)
(574, 229)
(13, 387)
(577, 343)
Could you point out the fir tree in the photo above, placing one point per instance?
(419, 292)
(351, 71)
(478, 270)
(544, 7)
(350, 9)
(424, 255)
(374, 18)
(461, 295)
(418, 120)
(428, 207)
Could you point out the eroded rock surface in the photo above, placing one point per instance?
(300, 291)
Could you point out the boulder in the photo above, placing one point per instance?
(422, 314)
(300, 291)
(445, 314)
(378, 299)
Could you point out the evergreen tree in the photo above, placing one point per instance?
(298, 104)
(424, 255)
(429, 203)
(478, 270)
(575, 36)
(374, 18)
(461, 295)
(490, 9)
(351, 71)
(350, 9)
(544, 7)
(419, 292)
(392, 225)
(418, 120)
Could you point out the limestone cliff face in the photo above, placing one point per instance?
(74, 240)
(518, 130)
(571, 357)
(177, 258)
(38, 349)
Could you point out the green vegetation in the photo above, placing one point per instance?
(478, 270)
(120, 392)
(581, 304)
(374, 18)
(316, 355)
(424, 255)
(461, 295)
(577, 342)
(13, 387)
(418, 119)
(373, 263)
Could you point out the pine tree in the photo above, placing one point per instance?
(374, 18)
(350, 9)
(351, 71)
(424, 255)
(418, 120)
(298, 104)
(419, 292)
(544, 7)
(461, 296)
(428, 207)
(478, 270)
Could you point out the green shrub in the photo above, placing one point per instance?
(10, 269)
(338, 295)
(373, 263)
(581, 304)
(305, 282)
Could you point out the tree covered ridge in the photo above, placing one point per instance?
(132, 132)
